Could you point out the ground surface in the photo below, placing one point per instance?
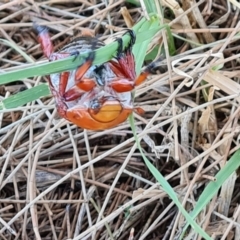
(194, 129)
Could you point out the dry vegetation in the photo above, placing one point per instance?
(194, 121)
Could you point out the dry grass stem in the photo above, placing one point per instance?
(58, 181)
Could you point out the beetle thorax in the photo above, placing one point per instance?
(102, 75)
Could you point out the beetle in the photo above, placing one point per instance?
(94, 97)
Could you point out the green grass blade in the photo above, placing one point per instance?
(171, 44)
(140, 48)
(25, 97)
(150, 6)
(152, 55)
(213, 187)
(135, 2)
(103, 54)
(166, 186)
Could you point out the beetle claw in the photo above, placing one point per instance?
(132, 39)
(120, 48)
(75, 53)
(128, 48)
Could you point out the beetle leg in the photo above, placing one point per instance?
(139, 110)
(124, 66)
(60, 104)
(77, 90)
(142, 77)
(47, 47)
(82, 85)
(85, 84)
(126, 85)
(71, 94)
(63, 82)
(125, 63)
(44, 39)
(82, 70)
(116, 68)
(46, 43)
(122, 85)
(129, 57)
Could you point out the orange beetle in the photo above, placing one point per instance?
(93, 97)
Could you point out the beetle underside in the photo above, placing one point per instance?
(94, 97)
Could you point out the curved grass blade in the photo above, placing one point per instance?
(213, 187)
(166, 186)
(141, 45)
